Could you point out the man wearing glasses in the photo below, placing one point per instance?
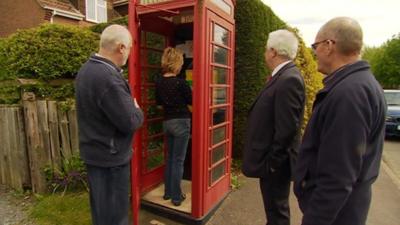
(340, 155)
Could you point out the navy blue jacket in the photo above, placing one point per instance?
(107, 116)
(340, 155)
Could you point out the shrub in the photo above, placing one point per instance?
(49, 51)
(72, 176)
(98, 28)
(250, 68)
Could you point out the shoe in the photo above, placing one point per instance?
(179, 202)
(166, 197)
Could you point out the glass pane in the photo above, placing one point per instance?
(101, 2)
(221, 35)
(154, 40)
(220, 75)
(217, 172)
(222, 5)
(91, 10)
(220, 55)
(101, 14)
(155, 144)
(153, 58)
(218, 154)
(154, 128)
(219, 96)
(219, 115)
(153, 74)
(153, 112)
(218, 135)
(142, 40)
(151, 93)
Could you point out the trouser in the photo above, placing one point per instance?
(109, 194)
(177, 132)
(275, 188)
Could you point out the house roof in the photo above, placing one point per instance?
(63, 5)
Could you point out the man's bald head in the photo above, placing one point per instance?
(113, 36)
(346, 32)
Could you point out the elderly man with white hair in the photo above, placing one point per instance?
(273, 127)
(107, 120)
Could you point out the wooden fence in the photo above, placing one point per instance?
(34, 135)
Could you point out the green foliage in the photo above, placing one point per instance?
(9, 92)
(254, 21)
(98, 28)
(3, 57)
(70, 209)
(46, 91)
(72, 176)
(48, 52)
(385, 62)
(312, 78)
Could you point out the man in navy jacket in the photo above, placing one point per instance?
(107, 120)
(342, 146)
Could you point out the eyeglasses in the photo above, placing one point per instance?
(315, 45)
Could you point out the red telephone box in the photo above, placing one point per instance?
(205, 31)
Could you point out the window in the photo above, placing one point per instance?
(96, 11)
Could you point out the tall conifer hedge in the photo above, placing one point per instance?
(254, 21)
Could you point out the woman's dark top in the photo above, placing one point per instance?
(174, 94)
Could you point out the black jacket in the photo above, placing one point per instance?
(107, 116)
(341, 151)
(273, 125)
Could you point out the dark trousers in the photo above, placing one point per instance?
(275, 188)
(109, 194)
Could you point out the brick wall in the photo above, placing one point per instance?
(19, 14)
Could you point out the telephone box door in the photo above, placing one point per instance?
(154, 37)
(220, 64)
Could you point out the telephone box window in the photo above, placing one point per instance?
(218, 153)
(220, 55)
(217, 172)
(221, 35)
(219, 116)
(219, 135)
(220, 75)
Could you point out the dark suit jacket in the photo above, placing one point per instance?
(273, 124)
(341, 150)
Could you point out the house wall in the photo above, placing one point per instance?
(64, 20)
(19, 14)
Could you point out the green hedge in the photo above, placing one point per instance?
(254, 21)
(98, 28)
(48, 52)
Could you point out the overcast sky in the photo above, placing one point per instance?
(379, 19)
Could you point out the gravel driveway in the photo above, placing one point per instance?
(13, 209)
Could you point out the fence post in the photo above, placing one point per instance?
(35, 144)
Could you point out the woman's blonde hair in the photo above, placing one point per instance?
(172, 60)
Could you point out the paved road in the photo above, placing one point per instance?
(391, 156)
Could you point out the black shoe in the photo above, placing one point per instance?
(166, 197)
(178, 203)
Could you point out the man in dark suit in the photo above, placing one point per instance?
(273, 126)
(341, 151)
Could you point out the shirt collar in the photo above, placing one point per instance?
(98, 58)
(275, 71)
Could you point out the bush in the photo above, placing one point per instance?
(3, 72)
(98, 28)
(49, 51)
(250, 68)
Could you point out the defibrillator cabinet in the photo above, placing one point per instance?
(204, 31)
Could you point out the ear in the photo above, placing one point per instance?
(121, 48)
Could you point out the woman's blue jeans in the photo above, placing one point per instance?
(177, 132)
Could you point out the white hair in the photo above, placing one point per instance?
(284, 42)
(114, 35)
